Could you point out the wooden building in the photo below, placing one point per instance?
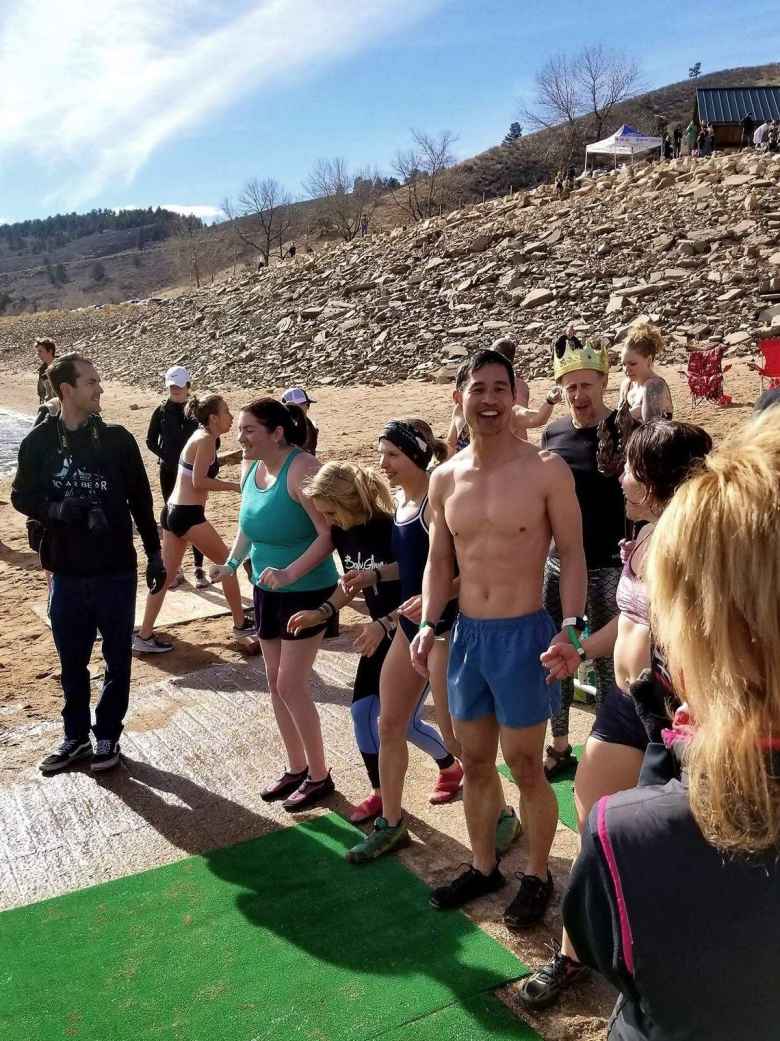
(726, 107)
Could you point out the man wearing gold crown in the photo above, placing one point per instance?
(495, 506)
(582, 370)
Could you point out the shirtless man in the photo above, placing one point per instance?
(494, 508)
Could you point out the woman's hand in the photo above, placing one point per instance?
(305, 620)
(412, 609)
(369, 638)
(359, 578)
(560, 659)
(275, 577)
(219, 571)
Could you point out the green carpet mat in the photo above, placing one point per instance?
(563, 788)
(483, 1018)
(276, 939)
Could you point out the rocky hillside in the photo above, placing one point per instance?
(694, 242)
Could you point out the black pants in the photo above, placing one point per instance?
(79, 608)
(601, 607)
(167, 483)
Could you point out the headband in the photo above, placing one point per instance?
(405, 437)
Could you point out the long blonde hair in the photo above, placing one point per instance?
(356, 493)
(713, 573)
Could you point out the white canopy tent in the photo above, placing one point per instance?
(625, 141)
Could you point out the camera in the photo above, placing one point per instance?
(97, 522)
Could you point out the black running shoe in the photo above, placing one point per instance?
(309, 793)
(543, 987)
(467, 886)
(530, 903)
(70, 751)
(106, 755)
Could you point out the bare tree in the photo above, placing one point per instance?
(420, 170)
(190, 246)
(263, 215)
(345, 199)
(577, 94)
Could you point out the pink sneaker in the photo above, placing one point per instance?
(448, 784)
(367, 810)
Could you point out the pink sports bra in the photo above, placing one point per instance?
(631, 595)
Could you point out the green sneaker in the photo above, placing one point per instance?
(508, 829)
(380, 840)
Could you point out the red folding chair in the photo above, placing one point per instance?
(771, 368)
(705, 375)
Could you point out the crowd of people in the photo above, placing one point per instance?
(491, 570)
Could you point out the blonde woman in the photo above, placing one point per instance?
(358, 505)
(675, 896)
(646, 394)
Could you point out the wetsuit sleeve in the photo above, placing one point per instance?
(29, 492)
(139, 495)
(590, 913)
(153, 433)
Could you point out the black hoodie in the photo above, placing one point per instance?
(99, 462)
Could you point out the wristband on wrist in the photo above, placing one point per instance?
(327, 610)
(576, 622)
(574, 640)
(427, 625)
(551, 398)
(233, 564)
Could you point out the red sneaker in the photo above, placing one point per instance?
(448, 784)
(367, 810)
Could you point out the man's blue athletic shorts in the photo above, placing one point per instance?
(494, 670)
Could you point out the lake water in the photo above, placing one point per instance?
(13, 427)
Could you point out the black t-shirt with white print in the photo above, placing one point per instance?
(367, 546)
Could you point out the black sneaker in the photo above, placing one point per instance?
(467, 886)
(530, 903)
(70, 751)
(247, 628)
(106, 755)
(309, 794)
(284, 786)
(542, 988)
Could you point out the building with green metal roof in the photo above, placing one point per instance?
(726, 107)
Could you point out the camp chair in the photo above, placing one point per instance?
(771, 368)
(705, 375)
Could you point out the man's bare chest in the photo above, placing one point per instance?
(496, 503)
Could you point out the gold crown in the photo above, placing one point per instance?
(569, 355)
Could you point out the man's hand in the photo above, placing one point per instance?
(359, 578)
(560, 659)
(412, 609)
(369, 638)
(305, 620)
(275, 577)
(155, 573)
(69, 511)
(420, 648)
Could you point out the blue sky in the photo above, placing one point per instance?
(179, 102)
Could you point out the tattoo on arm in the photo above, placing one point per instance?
(655, 401)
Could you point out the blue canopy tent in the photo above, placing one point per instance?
(625, 141)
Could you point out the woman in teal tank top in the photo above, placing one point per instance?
(289, 545)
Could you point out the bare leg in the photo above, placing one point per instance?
(205, 538)
(522, 749)
(296, 755)
(483, 797)
(399, 691)
(603, 770)
(172, 553)
(293, 685)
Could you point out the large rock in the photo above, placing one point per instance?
(537, 297)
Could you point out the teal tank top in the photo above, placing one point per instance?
(280, 531)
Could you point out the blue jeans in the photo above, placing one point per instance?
(78, 609)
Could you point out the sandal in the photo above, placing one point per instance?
(448, 784)
(564, 765)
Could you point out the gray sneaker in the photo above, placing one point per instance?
(70, 751)
(153, 645)
(106, 755)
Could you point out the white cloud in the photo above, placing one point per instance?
(8, 220)
(95, 96)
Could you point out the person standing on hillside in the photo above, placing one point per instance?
(170, 428)
(748, 127)
(46, 351)
(494, 508)
(677, 139)
(690, 136)
(298, 396)
(84, 481)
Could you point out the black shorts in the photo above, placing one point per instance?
(179, 519)
(275, 608)
(368, 672)
(617, 721)
(442, 627)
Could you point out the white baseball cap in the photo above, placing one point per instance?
(177, 376)
(297, 396)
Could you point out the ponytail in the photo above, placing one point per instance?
(272, 414)
(200, 409)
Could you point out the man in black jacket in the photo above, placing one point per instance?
(84, 483)
(169, 431)
(45, 349)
